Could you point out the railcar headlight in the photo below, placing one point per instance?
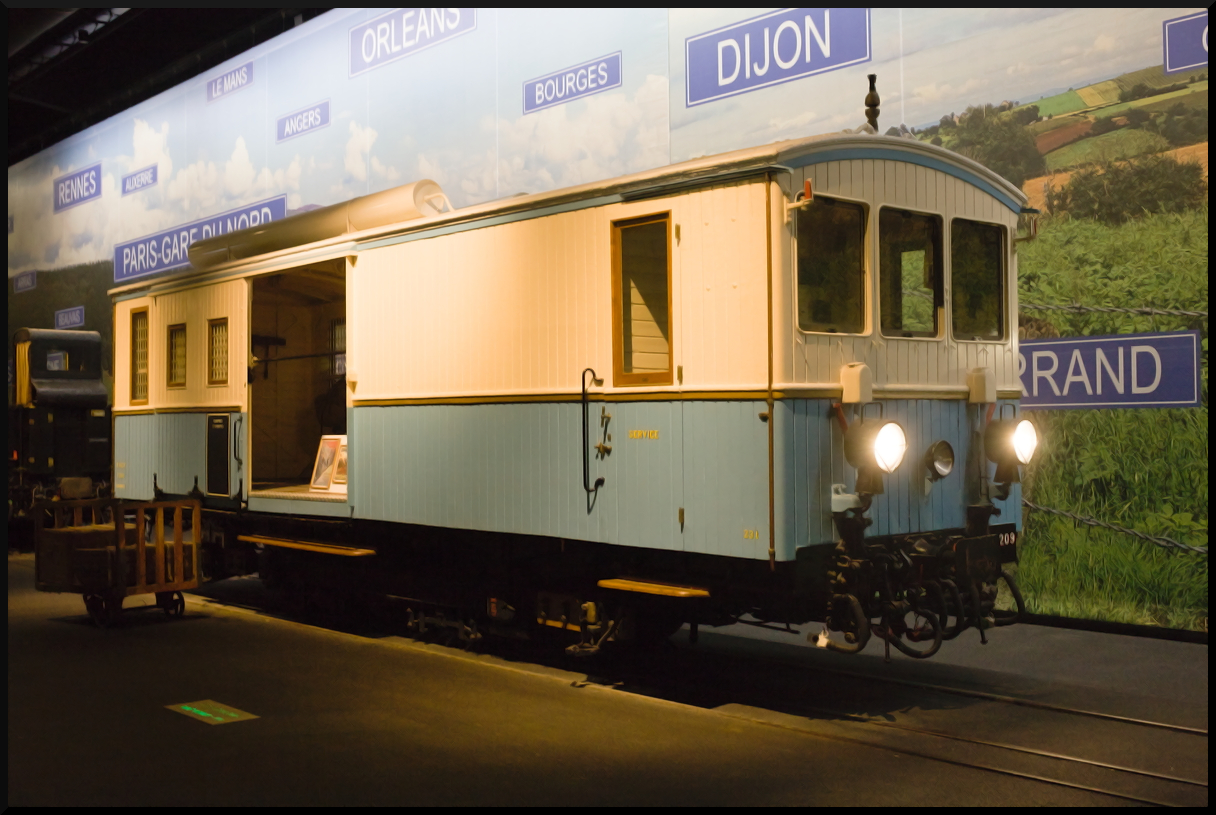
(1025, 441)
(889, 447)
(1009, 443)
(939, 460)
(874, 447)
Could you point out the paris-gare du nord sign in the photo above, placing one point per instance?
(1123, 371)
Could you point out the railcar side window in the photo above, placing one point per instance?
(177, 356)
(217, 352)
(977, 269)
(642, 301)
(139, 355)
(910, 274)
(831, 267)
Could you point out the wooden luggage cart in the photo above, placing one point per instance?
(101, 549)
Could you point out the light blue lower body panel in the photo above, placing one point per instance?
(518, 468)
(170, 450)
(809, 459)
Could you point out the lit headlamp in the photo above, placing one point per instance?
(874, 447)
(1009, 443)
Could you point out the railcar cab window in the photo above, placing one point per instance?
(831, 266)
(641, 301)
(910, 273)
(977, 273)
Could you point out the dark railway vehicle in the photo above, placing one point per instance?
(58, 421)
(778, 384)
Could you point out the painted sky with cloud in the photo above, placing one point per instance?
(454, 112)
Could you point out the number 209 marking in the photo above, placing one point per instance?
(1008, 539)
(751, 534)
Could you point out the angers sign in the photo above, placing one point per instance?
(1123, 371)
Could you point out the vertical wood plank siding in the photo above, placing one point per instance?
(171, 446)
(194, 308)
(815, 358)
(524, 307)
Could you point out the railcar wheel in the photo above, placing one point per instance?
(1011, 617)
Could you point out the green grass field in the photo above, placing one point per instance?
(1061, 103)
(1114, 146)
(1145, 469)
(1048, 125)
(1194, 96)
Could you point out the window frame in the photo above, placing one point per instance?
(211, 350)
(619, 377)
(169, 383)
(939, 295)
(1005, 265)
(147, 356)
(867, 283)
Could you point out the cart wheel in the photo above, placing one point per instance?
(96, 608)
(173, 603)
(103, 610)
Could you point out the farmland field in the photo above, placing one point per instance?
(1143, 469)
(1101, 93)
(1033, 187)
(1113, 146)
(1061, 103)
(1154, 77)
(1193, 96)
(1048, 125)
(1078, 128)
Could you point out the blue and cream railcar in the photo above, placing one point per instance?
(772, 381)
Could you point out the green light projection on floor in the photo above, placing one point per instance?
(211, 712)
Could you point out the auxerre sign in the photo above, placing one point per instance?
(162, 251)
(774, 48)
(1123, 371)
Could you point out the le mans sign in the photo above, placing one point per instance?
(1123, 371)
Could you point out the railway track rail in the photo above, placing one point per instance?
(1082, 752)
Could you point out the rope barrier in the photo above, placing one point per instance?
(1148, 312)
(1163, 542)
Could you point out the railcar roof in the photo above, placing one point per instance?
(55, 335)
(788, 154)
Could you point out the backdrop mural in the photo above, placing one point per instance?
(1101, 116)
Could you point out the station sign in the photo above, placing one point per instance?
(774, 48)
(572, 83)
(305, 120)
(167, 250)
(1184, 41)
(26, 281)
(1122, 371)
(230, 82)
(77, 188)
(70, 317)
(405, 31)
(139, 180)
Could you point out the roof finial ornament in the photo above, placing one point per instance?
(872, 102)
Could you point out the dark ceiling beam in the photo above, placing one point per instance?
(203, 59)
(28, 24)
(67, 39)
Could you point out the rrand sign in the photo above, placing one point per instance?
(1123, 371)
